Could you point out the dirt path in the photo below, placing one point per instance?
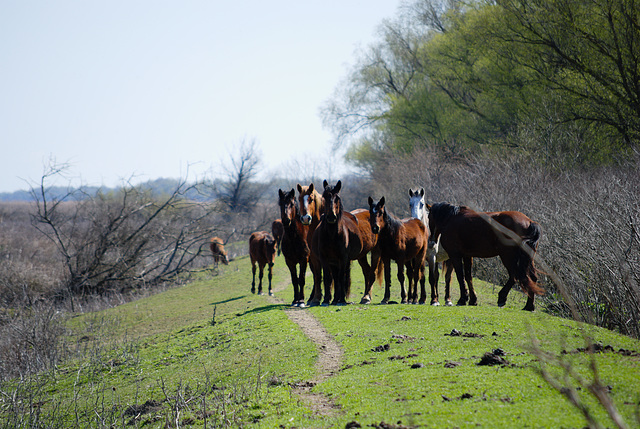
(329, 357)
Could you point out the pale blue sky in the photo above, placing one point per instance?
(146, 88)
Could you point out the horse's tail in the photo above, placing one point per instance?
(347, 283)
(379, 271)
(527, 272)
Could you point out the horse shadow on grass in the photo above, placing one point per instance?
(264, 309)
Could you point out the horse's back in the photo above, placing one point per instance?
(262, 247)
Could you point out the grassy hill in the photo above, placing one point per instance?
(211, 354)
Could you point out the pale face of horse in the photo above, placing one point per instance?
(417, 205)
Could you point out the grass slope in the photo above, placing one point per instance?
(162, 362)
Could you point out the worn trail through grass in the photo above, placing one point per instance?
(329, 357)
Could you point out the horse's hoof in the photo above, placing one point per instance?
(325, 304)
(261, 293)
(301, 305)
(404, 301)
(501, 304)
(435, 303)
(271, 294)
(449, 304)
(313, 303)
(365, 301)
(253, 291)
(527, 308)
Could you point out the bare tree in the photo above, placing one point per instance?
(124, 239)
(237, 190)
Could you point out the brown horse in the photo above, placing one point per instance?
(294, 244)
(310, 206)
(337, 242)
(277, 230)
(217, 249)
(510, 235)
(405, 242)
(262, 251)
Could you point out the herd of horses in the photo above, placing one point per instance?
(315, 230)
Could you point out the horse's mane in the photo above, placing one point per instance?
(393, 223)
(442, 211)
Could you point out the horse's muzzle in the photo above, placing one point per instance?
(332, 219)
(306, 219)
(375, 229)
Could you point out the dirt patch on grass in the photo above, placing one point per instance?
(329, 358)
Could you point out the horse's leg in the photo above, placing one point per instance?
(294, 277)
(253, 282)
(270, 277)
(260, 279)
(316, 269)
(338, 284)
(299, 296)
(403, 290)
(423, 289)
(327, 279)
(457, 266)
(433, 278)
(468, 263)
(447, 267)
(375, 266)
(387, 281)
(369, 277)
(510, 265)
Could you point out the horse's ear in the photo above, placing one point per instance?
(299, 188)
(381, 202)
(410, 192)
(429, 206)
(311, 187)
(325, 183)
(422, 192)
(370, 201)
(336, 188)
(292, 193)
(280, 193)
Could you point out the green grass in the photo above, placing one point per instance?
(161, 362)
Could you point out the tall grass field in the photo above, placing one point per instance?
(210, 354)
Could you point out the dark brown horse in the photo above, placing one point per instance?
(405, 242)
(510, 235)
(294, 244)
(277, 230)
(262, 251)
(217, 250)
(310, 206)
(337, 242)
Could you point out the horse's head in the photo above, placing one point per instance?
(332, 202)
(417, 205)
(287, 203)
(310, 203)
(377, 215)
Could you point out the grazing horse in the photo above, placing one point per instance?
(435, 252)
(337, 242)
(510, 235)
(277, 229)
(217, 249)
(294, 244)
(262, 251)
(404, 241)
(310, 206)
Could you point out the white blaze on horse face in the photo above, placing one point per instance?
(306, 218)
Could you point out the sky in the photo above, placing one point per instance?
(138, 90)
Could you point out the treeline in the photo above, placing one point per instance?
(556, 79)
